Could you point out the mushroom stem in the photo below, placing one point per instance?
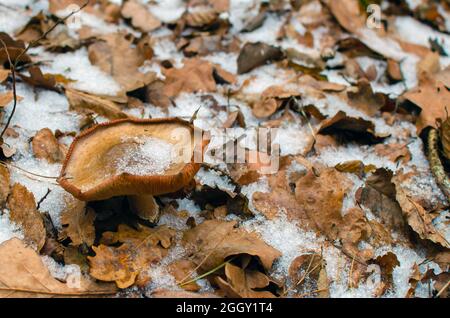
(144, 206)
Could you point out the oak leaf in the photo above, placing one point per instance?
(140, 16)
(78, 223)
(24, 275)
(213, 241)
(23, 211)
(140, 248)
(46, 146)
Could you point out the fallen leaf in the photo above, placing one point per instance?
(244, 283)
(364, 99)
(24, 275)
(195, 75)
(5, 179)
(213, 241)
(307, 272)
(46, 146)
(182, 268)
(38, 79)
(433, 98)
(117, 56)
(78, 223)
(387, 263)
(140, 16)
(4, 74)
(417, 217)
(350, 128)
(6, 98)
(379, 195)
(85, 102)
(23, 212)
(140, 248)
(256, 54)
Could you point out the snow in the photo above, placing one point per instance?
(214, 179)
(145, 156)
(267, 33)
(285, 236)
(76, 66)
(167, 10)
(242, 11)
(66, 273)
(422, 33)
(8, 230)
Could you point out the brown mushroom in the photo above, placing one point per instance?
(133, 157)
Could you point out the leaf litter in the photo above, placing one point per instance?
(359, 204)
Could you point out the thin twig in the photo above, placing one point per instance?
(13, 66)
(35, 291)
(207, 273)
(38, 205)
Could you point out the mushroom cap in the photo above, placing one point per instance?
(89, 172)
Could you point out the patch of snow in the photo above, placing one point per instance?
(8, 230)
(145, 156)
(76, 66)
(214, 179)
(167, 11)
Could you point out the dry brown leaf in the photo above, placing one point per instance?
(433, 98)
(140, 17)
(307, 272)
(394, 152)
(140, 248)
(387, 263)
(202, 16)
(3, 74)
(321, 197)
(364, 99)
(24, 275)
(6, 98)
(394, 71)
(78, 223)
(46, 146)
(350, 128)
(195, 75)
(39, 79)
(244, 283)
(182, 268)
(84, 102)
(379, 196)
(416, 216)
(23, 211)
(214, 240)
(117, 56)
(253, 55)
(5, 179)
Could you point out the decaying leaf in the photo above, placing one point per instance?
(350, 128)
(5, 179)
(417, 217)
(180, 269)
(307, 272)
(46, 146)
(387, 263)
(24, 275)
(433, 98)
(140, 17)
(195, 75)
(117, 56)
(139, 249)
(244, 283)
(23, 211)
(364, 99)
(78, 223)
(84, 102)
(253, 55)
(213, 241)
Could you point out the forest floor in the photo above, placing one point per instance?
(347, 92)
